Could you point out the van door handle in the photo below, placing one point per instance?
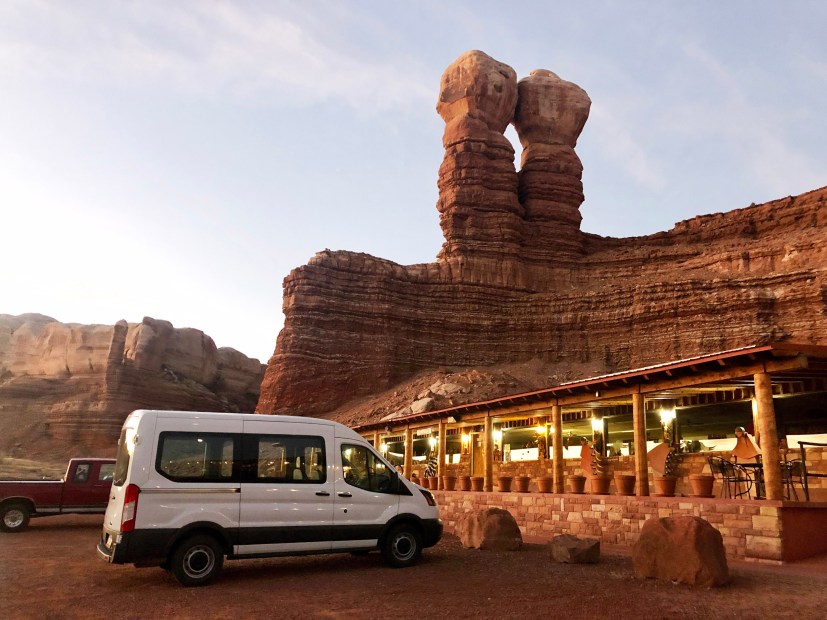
(345, 494)
(322, 493)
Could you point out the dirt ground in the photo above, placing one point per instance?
(51, 570)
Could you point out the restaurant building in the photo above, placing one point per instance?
(561, 459)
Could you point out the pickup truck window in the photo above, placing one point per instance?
(82, 473)
(196, 457)
(106, 472)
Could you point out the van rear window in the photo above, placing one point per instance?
(122, 459)
(196, 457)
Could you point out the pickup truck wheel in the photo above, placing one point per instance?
(402, 546)
(14, 517)
(197, 560)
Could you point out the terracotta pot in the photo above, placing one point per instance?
(665, 486)
(433, 482)
(599, 485)
(415, 479)
(544, 484)
(701, 484)
(477, 483)
(521, 484)
(625, 484)
(577, 484)
(504, 483)
(464, 483)
(449, 483)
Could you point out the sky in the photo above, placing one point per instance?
(178, 159)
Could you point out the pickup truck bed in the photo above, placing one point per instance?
(84, 489)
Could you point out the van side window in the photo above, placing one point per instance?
(287, 458)
(363, 469)
(195, 457)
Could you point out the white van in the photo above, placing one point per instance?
(190, 488)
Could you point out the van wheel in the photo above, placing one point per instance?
(402, 547)
(197, 560)
(14, 517)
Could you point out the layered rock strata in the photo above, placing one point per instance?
(73, 385)
(356, 325)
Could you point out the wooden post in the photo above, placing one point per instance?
(641, 460)
(488, 452)
(770, 455)
(376, 442)
(557, 463)
(408, 467)
(440, 466)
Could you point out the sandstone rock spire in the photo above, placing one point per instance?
(480, 215)
(549, 117)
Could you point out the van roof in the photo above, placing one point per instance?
(341, 428)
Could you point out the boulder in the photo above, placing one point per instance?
(682, 550)
(489, 529)
(570, 549)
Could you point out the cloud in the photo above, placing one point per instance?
(247, 52)
(615, 140)
(755, 131)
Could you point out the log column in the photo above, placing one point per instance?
(557, 455)
(408, 467)
(440, 466)
(641, 460)
(376, 441)
(488, 451)
(770, 455)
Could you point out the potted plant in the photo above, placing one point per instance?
(544, 484)
(577, 483)
(665, 486)
(464, 483)
(701, 484)
(433, 482)
(504, 483)
(600, 484)
(449, 482)
(477, 483)
(521, 484)
(625, 483)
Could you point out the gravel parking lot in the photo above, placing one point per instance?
(52, 570)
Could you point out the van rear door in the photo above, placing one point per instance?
(287, 488)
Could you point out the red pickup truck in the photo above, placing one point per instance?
(84, 489)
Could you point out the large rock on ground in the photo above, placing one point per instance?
(570, 549)
(682, 550)
(490, 529)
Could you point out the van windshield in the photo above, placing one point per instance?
(122, 460)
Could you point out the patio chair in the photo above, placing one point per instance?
(806, 474)
(792, 472)
(735, 480)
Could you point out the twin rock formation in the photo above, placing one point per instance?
(518, 281)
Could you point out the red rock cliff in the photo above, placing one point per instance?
(517, 280)
(65, 386)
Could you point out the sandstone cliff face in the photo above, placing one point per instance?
(65, 385)
(517, 280)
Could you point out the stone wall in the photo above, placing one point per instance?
(751, 529)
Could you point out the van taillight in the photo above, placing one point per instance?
(130, 508)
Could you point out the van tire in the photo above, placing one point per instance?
(196, 560)
(14, 517)
(402, 546)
